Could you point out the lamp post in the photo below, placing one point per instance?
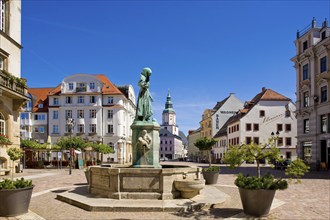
(276, 138)
(70, 124)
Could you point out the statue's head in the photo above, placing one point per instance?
(146, 71)
(144, 132)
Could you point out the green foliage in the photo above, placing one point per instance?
(101, 148)
(297, 169)
(15, 184)
(266, 182)
(66, 143)
(205, 143)
(30, 144)
(4, 140)
(14, 153)
(211, 168)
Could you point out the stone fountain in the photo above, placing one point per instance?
(146, 178)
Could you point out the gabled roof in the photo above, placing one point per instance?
(220, 104)
(183, 138)
(264, 95)
(39, 96)
(223, 130)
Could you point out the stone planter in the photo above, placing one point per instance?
(87, 175)
(211, 177)
(256, 202)
(189, 188)
(15, 201)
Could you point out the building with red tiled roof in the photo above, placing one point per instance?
(268, 113)
(101, 111)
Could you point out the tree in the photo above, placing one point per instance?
(205, 144)
(101, 148)
(67, 143)
(14, 153)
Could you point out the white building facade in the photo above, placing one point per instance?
(101, 111)
(269, 113)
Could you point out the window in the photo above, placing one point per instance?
(256, 140)
(81, 99)
(324, 94)
(68, 100)
(279, 127)
(92, 128)
(39, 117)
(41, 105)
(24, 115)
(323, 35)
(305, 72)
(305, 45)
(323, 64)
(2, 15)
(306, 126)
(41, 130)
(81, 87)
(280, 141)
(2, 124)
(287, 127)
(91, 85)
(261, 113)
(70, 86)
(80, 128)
(248, 140)
(55, 101)
(110, 129)
(324, 123)
(92, 99)
(92, 113)
(110, 100)
(306, 99)
(110, 114)
(1, 63)
(55, 114)
(36, 129)
(248, 127)
(55, 129)
(80, 113)
(255, 127)
(68, 114)
(288, 141)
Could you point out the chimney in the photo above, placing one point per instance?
(263, 89)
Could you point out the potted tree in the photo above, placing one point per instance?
(211, 173)
(257, 192)
(15, 195)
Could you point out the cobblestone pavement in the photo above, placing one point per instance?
(308, 200)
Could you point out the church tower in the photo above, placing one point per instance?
(169, 117)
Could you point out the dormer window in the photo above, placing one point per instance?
(81, 87)
(91, 85)
(70, 86)
(305, 45)
(41, 105)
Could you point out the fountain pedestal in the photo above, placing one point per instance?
(146, 142)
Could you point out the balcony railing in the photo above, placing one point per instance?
(13, 83)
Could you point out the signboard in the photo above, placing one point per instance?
(59, 155)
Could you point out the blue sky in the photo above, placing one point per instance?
(200, 50)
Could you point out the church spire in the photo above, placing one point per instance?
(168, 104)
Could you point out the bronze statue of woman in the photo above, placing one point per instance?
(144, 109)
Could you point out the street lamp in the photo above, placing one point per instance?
(70, 125)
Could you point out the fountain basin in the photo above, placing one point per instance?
(189, 188)
(139, 183)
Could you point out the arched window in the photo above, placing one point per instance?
(2, 124)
